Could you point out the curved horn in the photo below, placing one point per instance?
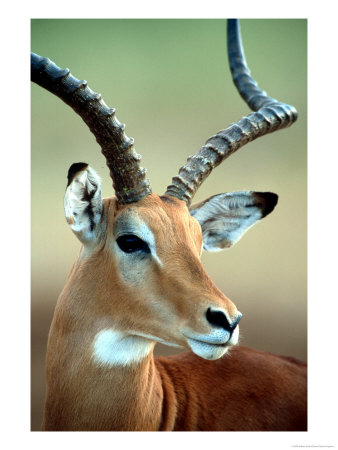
(128, 177)
(271, 115)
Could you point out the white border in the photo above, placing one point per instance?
(15, 223)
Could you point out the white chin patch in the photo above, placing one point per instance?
(207, 351)
(211, 350)
(115, 348)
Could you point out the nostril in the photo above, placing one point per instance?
(219, 319)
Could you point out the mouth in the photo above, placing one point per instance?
(207, 350)
(211, 347)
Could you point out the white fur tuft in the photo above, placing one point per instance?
(115, 348)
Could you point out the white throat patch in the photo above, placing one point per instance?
(115, 348)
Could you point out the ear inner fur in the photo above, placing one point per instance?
(225, 218)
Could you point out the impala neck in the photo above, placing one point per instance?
(84, 393)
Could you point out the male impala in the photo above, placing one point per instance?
(139, 280)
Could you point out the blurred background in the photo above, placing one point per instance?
(170, 83)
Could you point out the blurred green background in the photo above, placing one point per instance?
(170, 83)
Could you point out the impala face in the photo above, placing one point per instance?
(145, 258)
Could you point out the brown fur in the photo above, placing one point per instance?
(245, 390)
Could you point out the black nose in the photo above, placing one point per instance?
(219, 319)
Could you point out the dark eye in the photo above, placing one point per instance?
(129, 243)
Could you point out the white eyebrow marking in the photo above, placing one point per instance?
(148, 236)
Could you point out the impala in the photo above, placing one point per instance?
(139, 280)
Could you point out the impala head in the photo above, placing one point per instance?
(141, 252)
(145, 257)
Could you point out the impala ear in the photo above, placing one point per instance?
(83, 201)
(224, 218)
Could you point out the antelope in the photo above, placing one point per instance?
(139, 280)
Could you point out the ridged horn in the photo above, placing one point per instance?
(271, 115)
(129, 181)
